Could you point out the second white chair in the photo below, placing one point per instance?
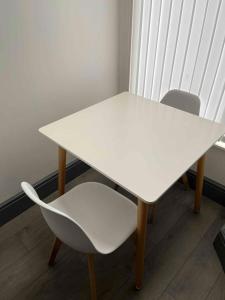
(186, 102)
(91, 218)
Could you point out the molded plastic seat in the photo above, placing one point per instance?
(107, 217)
(182, 100)
(186, 102)
(90, 217)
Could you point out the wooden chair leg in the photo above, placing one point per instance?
(92, 276)
(152, 214)
(185, 181)
(55, 250)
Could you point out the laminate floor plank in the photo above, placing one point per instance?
(200, 271)
(218, 290)
(167, 257)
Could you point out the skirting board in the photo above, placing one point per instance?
(20, 202)
(211, 189)
(14, 206)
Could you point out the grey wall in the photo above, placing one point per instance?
(56, 57)
(125, 17)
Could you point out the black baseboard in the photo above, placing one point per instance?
(211, 189)
(20, 202)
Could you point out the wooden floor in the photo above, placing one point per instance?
(180, 260)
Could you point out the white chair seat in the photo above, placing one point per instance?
(107, 217)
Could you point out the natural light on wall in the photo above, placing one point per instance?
(180, 44)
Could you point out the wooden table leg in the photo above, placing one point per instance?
(62, 171)
(142, 218)
(61, 189)
(199, 183)
(55, 248)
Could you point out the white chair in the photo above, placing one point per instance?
(91, 218)
(184, 101)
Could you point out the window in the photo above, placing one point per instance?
(180, 44)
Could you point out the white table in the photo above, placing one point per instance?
(141, 145)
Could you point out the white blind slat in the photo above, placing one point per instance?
(164, 48)
(152, 46)
(170, 45)
(195, 39)
(205, 80)
(161, 52)
(187, 43)
(147, 5)
(180, 44)
(176, 43)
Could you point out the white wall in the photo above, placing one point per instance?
(125, 17)
(56, 57)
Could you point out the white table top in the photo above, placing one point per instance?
(142, 145)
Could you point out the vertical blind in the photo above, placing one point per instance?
(180, 44)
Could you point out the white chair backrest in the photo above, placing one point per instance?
(63, 226)
(182, 100)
